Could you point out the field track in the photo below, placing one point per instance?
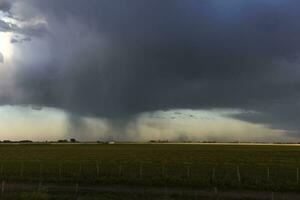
(123, 189)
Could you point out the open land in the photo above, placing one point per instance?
(195, 167)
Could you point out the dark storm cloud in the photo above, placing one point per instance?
(119, 58)
(5, 6)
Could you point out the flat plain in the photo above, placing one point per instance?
(225, 166)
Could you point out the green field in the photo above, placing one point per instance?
(259, 167)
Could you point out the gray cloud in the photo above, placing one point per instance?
(20, 24)
(117, 59)
(5, 27)
(36, 30)
(20, 40)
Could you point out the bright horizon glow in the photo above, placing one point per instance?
(6, 48)
(24, 122)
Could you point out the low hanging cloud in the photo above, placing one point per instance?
(33, 30)
(20, 40)
(117, 59)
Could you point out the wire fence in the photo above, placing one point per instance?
(147, 173)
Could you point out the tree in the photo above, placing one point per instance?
(73, 140)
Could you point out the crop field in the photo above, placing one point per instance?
(255, 167)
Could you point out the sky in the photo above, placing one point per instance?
(137, 70)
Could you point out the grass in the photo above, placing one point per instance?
(36, 195)
(260, 167)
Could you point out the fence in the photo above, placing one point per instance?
(164, 174)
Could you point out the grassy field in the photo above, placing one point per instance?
(260, 167)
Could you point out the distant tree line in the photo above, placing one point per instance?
(72, 140)
(21, 141)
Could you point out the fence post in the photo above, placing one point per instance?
(163, 170)
(272, 196)
(144, 192)
(188, 171)
(41, 171)
(97, 169)
(141, 170)
(120, 170)
(213, 175)
(196, 195)
(238, 173)
(268, 173)
(1, 169)
(2, 187)
(21, 169)
(76, 189)
(297, 175)
(40, 185)
(80, 169)
(216, 193)
(165, 193)
(60, 170)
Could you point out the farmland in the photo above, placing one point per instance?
(254, 167)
